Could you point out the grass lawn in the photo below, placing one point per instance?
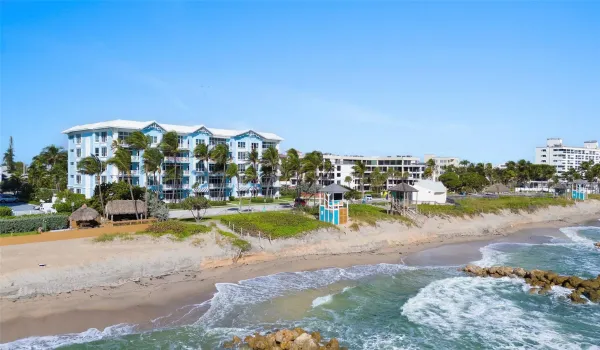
(370, 214)
(177, 229)
(595, 196)
(475, 206)
(4, 235)
(274, 224)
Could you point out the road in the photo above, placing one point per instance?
(228, 210)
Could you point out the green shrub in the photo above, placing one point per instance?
(180, 230)
(6, 211)
(77, 199)
(235, 241)
(261, 200)
(33, 222)
(44, 194)
(274, 224)
(217, 203)
(174, 205)
(231, 198)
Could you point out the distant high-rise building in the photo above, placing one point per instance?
(563, 157)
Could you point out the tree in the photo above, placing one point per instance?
(122, 160)
(378, 179)
(451, 180)
(473, 181)
(270, 161)
(348, 180)
(153, 160)
(95, 167)
(202, 152)
(251, 175)
(428, 173)
(430, 169)
(326, 169)
(138, 142)
(55, 160)
(170, 148)
(220, 154)
(197, 206)
(359, 170)
(9, 156)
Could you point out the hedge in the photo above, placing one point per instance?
(261, 200)
(28, 224)
(6, 211)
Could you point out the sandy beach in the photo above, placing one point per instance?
(95, 285)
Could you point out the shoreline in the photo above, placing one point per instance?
(148, 298)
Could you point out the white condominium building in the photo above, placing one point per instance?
(441, 163)
(411, 167)
(566, 157)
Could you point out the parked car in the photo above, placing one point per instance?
(368, 198)
(46, 208)
(299, 202)
(5, 198)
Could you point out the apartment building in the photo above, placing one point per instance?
(565, 157)
(96, 139)
(410, 166)
(441, 163)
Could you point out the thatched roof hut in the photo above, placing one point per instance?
(496, 188)
(84, 214)
(125, 207)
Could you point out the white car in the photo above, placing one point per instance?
(368, 198)
(47, 208)
(4, 198)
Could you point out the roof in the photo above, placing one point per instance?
(402, 187)
(120, 207)
(180, 129)
(496, 188)
(84, 214)
(560, 186)
(435, 186)
(334, 188)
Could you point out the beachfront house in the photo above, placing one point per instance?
(430, 192)
(197, 176)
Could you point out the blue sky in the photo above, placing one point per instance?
(478, 80)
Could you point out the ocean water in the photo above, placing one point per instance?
(385, 307)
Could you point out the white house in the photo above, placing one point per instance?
(430, 192)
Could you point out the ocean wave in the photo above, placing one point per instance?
(480, 309)
(55, 341)
(231, 296)
(322, 300)
(572, 234)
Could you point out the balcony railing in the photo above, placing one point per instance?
(186, 172)
(174, 187)
(177, 159)
(135, 158)
(135, 172)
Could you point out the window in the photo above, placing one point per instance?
(181, 140)
(97, 137)
(154, 139)
(78, 179)
(241, 144)
(97, 152)
(72, 150)
(242, 155)
(103, 152)
(200, 166)
(217, 141)
(102, 179)
(242, 167)
(200, 179)
(104, 136)
(72, 163)
(78, 152)
(266, 145)
(78, 191)
(78, 139)
(211, 167)
(200, 141)
(123, 135)
(254, 145)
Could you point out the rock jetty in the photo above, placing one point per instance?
(597, 245)
(542, 281)
(292, 339)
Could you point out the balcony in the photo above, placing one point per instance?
(135, 172)
(183, 146)
(176, 187)
(177, 159)
(135, 158)
(218, 186)
(186, 173)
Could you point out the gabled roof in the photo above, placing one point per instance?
(180, 129)
(402, 187)
(334, 188)
(435, 186)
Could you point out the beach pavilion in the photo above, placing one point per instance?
(333, 208)
(401, 200)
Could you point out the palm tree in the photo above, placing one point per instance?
(9, 156)
(138, 142)
(251, 175)
(232, 173)
(220, 154)
(93, 166)
(311, 163)
(294, 164)
(348, 180)
(122, 160)
(55, 158)
(170, 148)
(254, 158)
(359, 169)
(202, 152)
(270, 160)
(153, 160)
(326, 168)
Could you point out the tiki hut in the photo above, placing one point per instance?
(126, 207)
(401, 200)
(84, 216)
(496, 188)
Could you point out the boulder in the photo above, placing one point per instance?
(545, 289)
(316, 336)
(519, 271)
(285, 335)
(559, 280)
(576, 298)
(305, 342)
(590, 284)
(597, 245)
(593, 295)
(332, 344)
(574, 281)
(286, 345)
(505, 271)
(533, 290)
